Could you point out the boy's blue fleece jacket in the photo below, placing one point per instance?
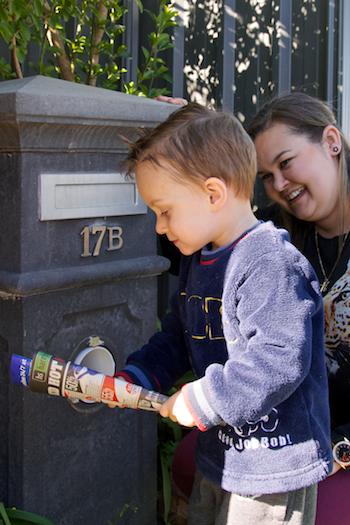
(248, 320)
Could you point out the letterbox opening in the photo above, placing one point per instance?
(96, 357)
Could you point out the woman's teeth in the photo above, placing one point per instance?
(294, 194)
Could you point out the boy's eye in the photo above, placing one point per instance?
(165, 212)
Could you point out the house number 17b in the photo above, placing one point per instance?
(93, 237)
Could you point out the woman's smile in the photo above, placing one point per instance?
(294, 195)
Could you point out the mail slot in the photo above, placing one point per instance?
(78, 280)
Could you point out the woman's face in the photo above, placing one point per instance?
(300, 175)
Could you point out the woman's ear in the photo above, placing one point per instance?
(216, 190)
(331, 138)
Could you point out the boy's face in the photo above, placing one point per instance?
(183, 210)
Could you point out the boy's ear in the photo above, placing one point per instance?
(216, 190)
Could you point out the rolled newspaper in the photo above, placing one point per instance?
(51, 375)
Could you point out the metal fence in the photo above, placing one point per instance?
(237, 53)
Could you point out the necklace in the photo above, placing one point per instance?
(327, 278)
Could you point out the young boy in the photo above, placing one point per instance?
(247, 319)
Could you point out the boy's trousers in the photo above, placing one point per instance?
(211, 505)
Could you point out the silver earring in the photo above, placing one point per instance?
(335, 149)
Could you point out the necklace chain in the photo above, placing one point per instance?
(327, 278)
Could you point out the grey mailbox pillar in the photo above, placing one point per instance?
(78, 269)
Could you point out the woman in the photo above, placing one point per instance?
(304, 164)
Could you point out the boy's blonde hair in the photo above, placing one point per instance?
(199, 143)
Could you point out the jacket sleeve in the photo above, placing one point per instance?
(164, 359)
(272, 308)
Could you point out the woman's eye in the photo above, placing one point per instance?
(284, 163)
(164, 213)
(266, 177)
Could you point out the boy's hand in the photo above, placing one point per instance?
(176, 409)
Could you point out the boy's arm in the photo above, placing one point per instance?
(163, 360)
(270, 355)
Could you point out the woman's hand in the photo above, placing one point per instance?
(172, 100)
(335, 468)
(176, 409)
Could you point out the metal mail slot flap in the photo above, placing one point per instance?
(84, 195)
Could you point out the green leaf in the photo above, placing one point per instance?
(37, 7)
(6, 72)
(153, 38)
(27, 517)
(122, 51)
(151, 15)
(166, 479)
(25, 32)
(129, 88)
(6, 31)
(4, 515)
(147, 75)
(139, 5)
(168, 78)
(21, 54)
(145, 52)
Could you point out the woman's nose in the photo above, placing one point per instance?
(279, 182)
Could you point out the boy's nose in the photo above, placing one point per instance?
(161, 226)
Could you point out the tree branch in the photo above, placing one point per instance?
(54, 38)
(98, 29)
(16, 66)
